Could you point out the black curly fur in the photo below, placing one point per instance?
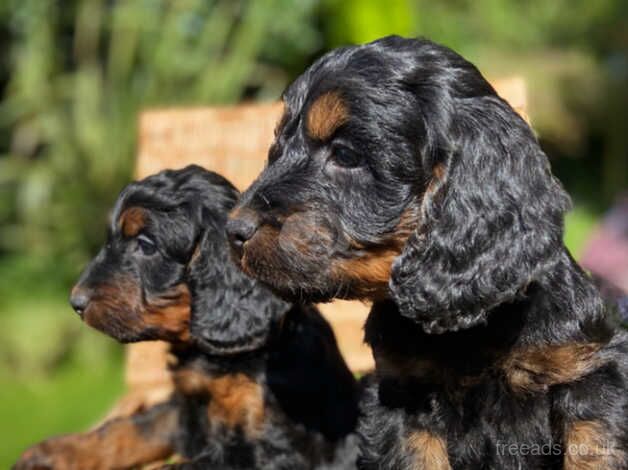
(259, 383)
(486, 333)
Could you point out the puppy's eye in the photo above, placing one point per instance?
(146, 245)
(345, 157)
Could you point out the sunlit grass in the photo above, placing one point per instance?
(70, 400)
(56, 374)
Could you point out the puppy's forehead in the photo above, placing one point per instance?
(337, 86)
(320, 110)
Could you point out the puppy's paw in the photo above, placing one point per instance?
(51, 454)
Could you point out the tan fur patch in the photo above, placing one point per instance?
(535, 369)
(527, 371)
(168, 313)
(235, 400)
(191, 382)
(117, 444)
(265, 241)
(171, 312)
(370, 272)
(325, 115)
(428, 451)
(588, 447)
(132, 221)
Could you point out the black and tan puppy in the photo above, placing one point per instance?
(260, 383)
(399, 176)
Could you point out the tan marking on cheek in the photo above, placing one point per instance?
(588, 447)
(370, 271)
(132, 221)
(121, 302)
(534, 370)
(259, 252)
(170, 313)
(428, 451)
(325, 115)
(368, 274)
(118, 300)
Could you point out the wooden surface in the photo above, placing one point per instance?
(233, 141)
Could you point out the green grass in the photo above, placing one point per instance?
(56, 374)
(72, 399)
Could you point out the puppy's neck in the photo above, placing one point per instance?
(309, 378)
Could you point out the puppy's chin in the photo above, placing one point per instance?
(290, 284)
(116, 326)
(300, 279)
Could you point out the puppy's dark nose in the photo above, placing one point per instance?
(240, 228)
(79, 299)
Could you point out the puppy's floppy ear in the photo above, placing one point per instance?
(231, 313)
(490, 219)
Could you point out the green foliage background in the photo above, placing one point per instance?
(74, 73)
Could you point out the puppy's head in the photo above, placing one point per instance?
(397, 171)
(164, 272)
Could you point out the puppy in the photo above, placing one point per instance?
(260, 383)
(398, 175)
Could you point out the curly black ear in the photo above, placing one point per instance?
(231, 313)
(491, 218)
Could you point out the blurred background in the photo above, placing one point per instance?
(75, 73)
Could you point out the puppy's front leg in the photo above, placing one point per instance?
(120, 443)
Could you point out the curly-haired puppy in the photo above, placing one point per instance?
(259, 383)
(399, 176)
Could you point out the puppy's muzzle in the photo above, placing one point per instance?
(241, 227)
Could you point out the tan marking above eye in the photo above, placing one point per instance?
(326, 114)
(132, 221)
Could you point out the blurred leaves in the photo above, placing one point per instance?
(360, 21)
(81, 71)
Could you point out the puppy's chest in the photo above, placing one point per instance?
(481, 425)
(493, 411)
(231, 402)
